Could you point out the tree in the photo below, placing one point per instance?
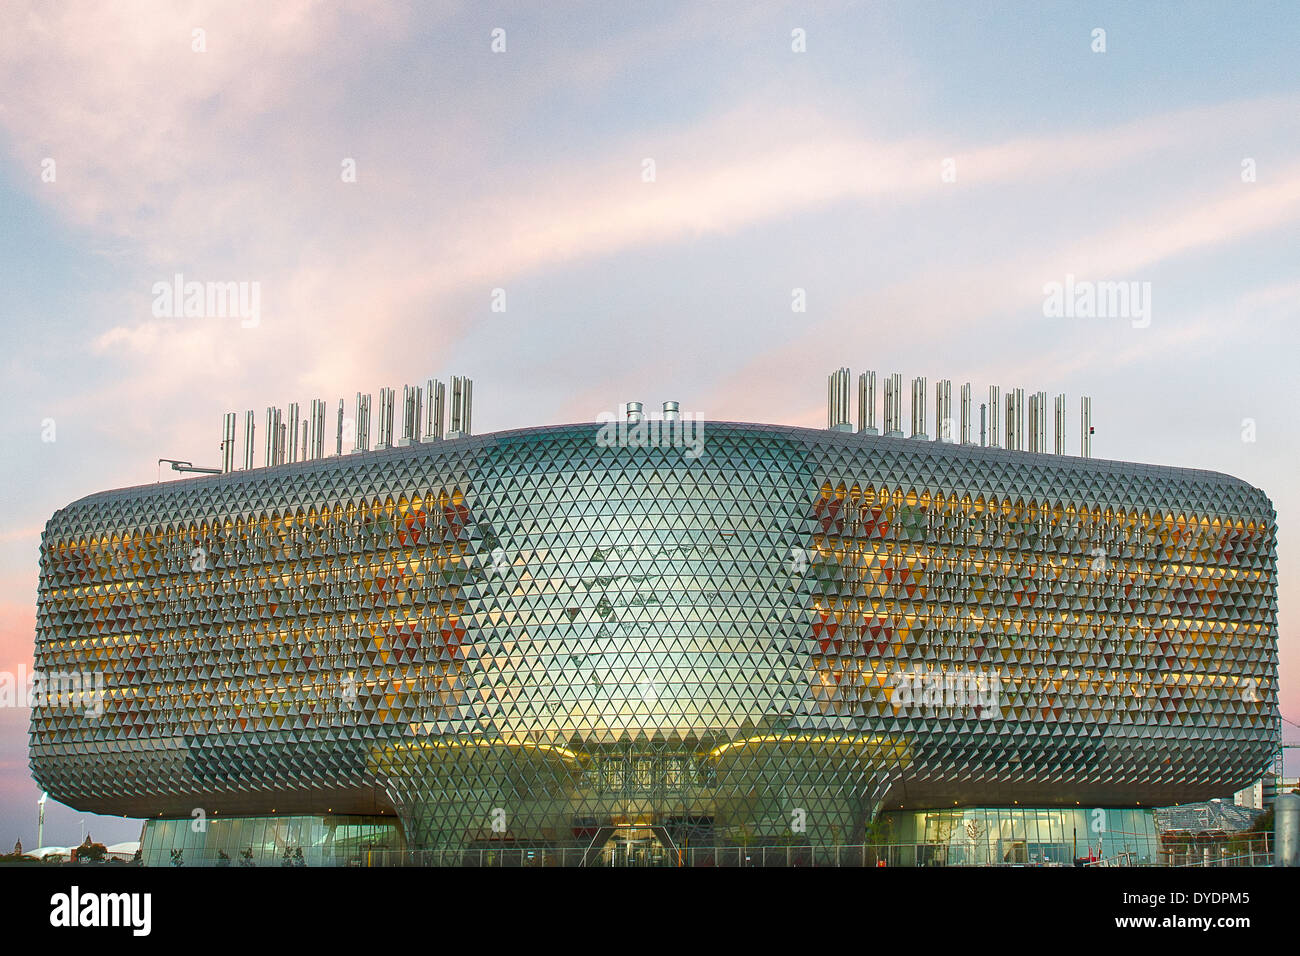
(875, 835)
(89, 852)
(975, 834)
(943, 827)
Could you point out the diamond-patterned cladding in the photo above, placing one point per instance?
(528, 637)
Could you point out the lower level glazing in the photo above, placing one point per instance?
(967, 836)
(271, 841)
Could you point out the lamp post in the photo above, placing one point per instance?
(40, 819)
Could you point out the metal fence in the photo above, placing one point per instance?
(1245, 850)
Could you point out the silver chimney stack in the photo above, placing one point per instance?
(1035, 412)
(462, 397)
(338, 434)
(1016, 419)
(995, 409)
(964, 437)
(457, 398)
(943, 430)
(894, 406)
(384, 417)
(249, 427)
(315, 447)
(1040, 423)
(918, 408)
(837, 409)
(1085, 426)
(1010, 422)
(228, 443)
(268, 458)
(417, 411)
(634, 412)
(412, 401)
(293, 433)
(672, 411)
(433, 428)
(1059, 424)
(867, 404)
(387, 405)
(362, 423)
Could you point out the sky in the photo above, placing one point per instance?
(580, 205)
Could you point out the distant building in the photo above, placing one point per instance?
(1251, 797)
(1207, 832)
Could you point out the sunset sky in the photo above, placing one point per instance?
(133, 148)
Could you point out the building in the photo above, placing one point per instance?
(1252, 797)
(632, 641)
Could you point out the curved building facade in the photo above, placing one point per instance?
(544, 638)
